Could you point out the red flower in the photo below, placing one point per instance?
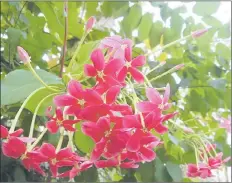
(106, 137)
(131, 67)
(77, 168)
(32, 160)
(57, 159)
(77, 98)
(115, 162)
(156, 102)
(13, 148)
(104, 72)
(117, 47)
(5, 133)
(217, 161)
(192, 170)
(56, 122)
(204, 171)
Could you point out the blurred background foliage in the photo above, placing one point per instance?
(200, 90)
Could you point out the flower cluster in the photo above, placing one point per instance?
(119, 122)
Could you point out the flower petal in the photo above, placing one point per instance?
(146, 106)
(17, 133)
(48, 150)
(98, 150)
(166, 94)
(97, 58)
(129, 164)
(89, 70)
(136, 74)
(59, 114)
(91, 129)
(75, 89)
(161, 129)
(153, 96)
(131, 121)
(103, 123)
(106, 163)
(147, 154)
(138, 61)
(113, 66)
(69, 127)
(64, 100)
(133, 144)
(92, 97)
(4, 132)
(64, 153)
(112, 94)
(52, 126)
(122, 74)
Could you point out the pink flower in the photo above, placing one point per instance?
(90, 23)
(56, 122)
(23, 55)
(130, 66)
(115, 162)
(57, 159)
(77, 99)
(226, 123)
(103, 72)
(156, 101)
(217, 161)
(192, 170)
(117, 47)
(199, 33)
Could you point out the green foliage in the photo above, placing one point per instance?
(19, 84)
(83, 142)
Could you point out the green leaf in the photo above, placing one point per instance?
(19, 84)
(224, 32)
(132, 20)
(155, 33)
(145, 26)
(223, 51)
(36, 98)
(161, 173)
(176, 24)
(210, 20)
(175, 171)
(205, 8)
(218, 83)
(165, 12)
(82, 141)
(91, 9)
(147, 171)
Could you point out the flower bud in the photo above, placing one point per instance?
(199, 33)
(178, 67)
(23, 55)
(90, 23)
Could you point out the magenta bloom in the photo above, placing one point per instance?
(59, 159)
(56, 122)
(157, 102)
(217, 161)
(102, 71)
(130, 66)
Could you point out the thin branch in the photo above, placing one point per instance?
(20, 12)
(65, 38)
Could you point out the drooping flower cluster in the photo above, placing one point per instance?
(121, 130)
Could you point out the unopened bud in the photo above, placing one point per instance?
(199, 33)
(162, 63)
(188, 130)
(23, 55)
(178, 67)
(90, 23)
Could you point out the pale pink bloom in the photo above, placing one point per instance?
(199, 33)
(226, 123)
(90, 23)
(23, 55)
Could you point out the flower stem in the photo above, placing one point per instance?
(12, 128)
(77, 50)
(37, 140)
(60, 140)
(156, 67)
(170, 44)
(34, 116)
(38, 78)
